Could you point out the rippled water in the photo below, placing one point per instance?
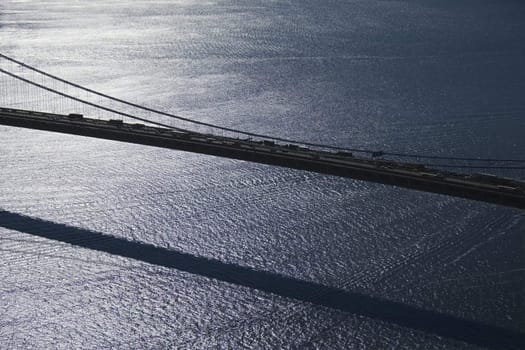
(441, 77)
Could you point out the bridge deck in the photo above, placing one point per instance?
(477, 187)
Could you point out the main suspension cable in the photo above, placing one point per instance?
(374, 153)
(89, 103)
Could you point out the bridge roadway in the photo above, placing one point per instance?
(484, 188)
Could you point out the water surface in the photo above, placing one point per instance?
(435, 77)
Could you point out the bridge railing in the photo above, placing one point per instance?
(510, 168)
(26, 87)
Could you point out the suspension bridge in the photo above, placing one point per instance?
(34, 99)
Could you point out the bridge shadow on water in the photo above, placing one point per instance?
(428, 321)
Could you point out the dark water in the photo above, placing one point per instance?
(228, 254)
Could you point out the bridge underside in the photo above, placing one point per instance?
(483, 188)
